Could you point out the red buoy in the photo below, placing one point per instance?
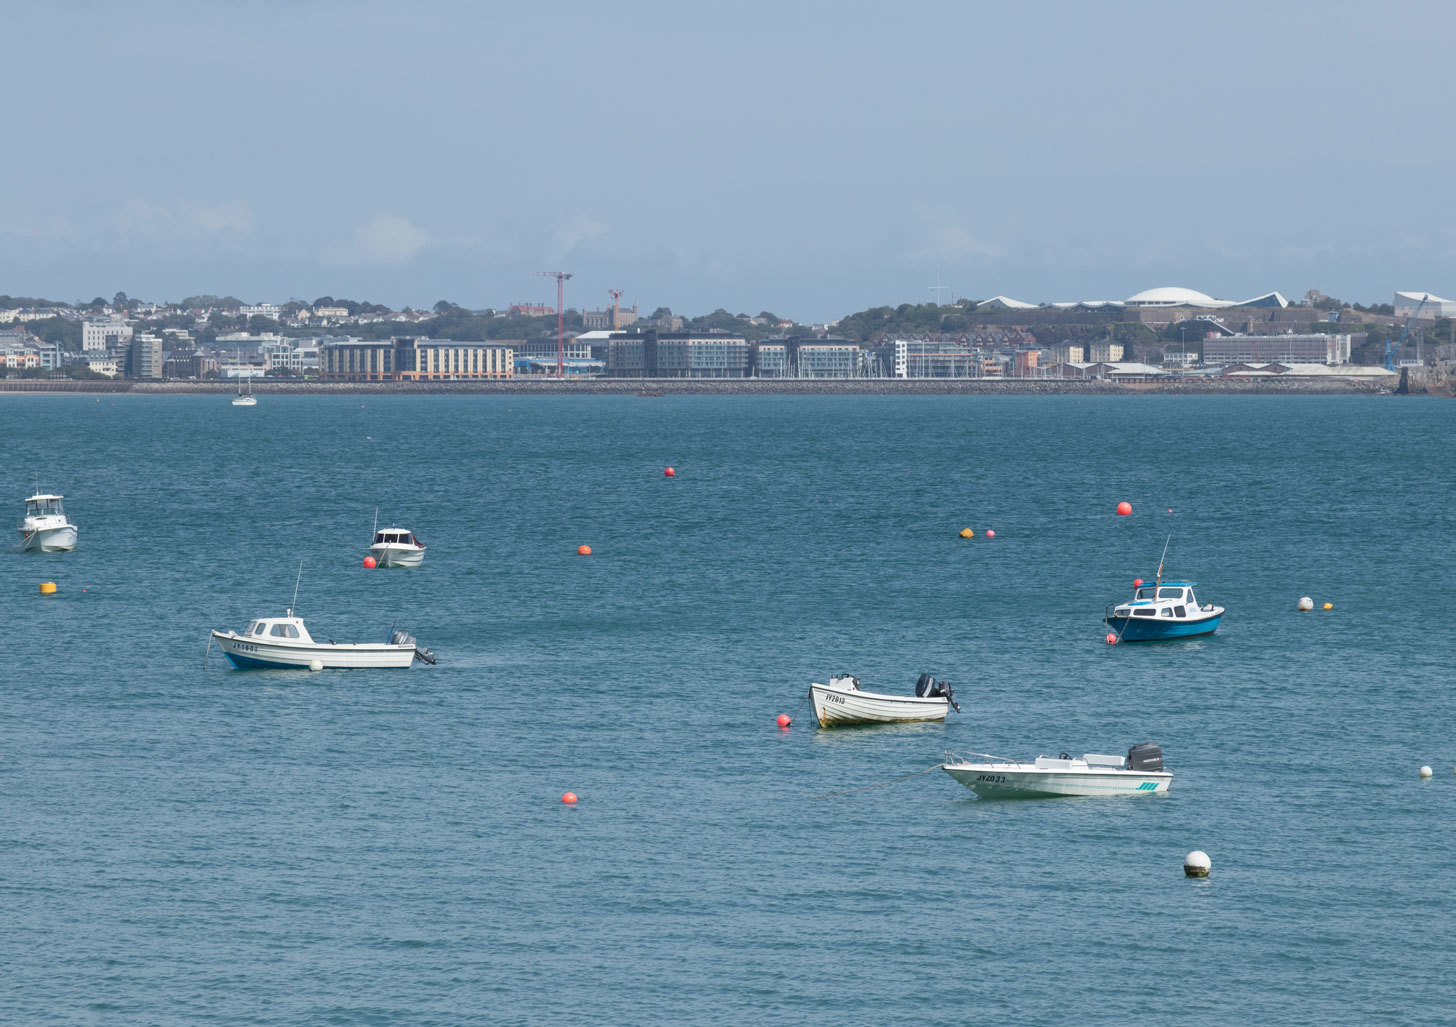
(785, 720)
(569, 798)
(1124, 508)
(1111, 638)
(583, 550)
(668, 472)
(369, 563)
(990, 533)
(1137, 582)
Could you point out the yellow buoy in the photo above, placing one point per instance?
(1329, 606)
(47, 588)
(967, 533)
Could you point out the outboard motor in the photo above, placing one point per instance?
(929, 688)
(402, 637)
(1145, 756)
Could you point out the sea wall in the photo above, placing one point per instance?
(737, 387)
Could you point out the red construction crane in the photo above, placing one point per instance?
(616, 295)
(561, 277)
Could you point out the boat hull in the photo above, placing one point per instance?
(245, 401)
(49, 540)
(248, 654)
(836, 708)
(1158, 629)
(991, 781)
(397, 556)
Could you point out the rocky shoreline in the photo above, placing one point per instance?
(731, 387)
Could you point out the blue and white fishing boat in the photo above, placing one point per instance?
(1162, 610)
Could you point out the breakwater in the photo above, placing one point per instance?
(738, 387)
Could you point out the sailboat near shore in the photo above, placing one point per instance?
(245, 397)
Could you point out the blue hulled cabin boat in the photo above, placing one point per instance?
(1162, 610)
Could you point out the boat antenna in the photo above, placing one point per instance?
(1160, 565)
(376, 526)
(295, 588)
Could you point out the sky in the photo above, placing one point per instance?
(802, 157)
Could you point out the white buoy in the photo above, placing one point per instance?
(316, 665)
(1197, 864)
(1425, 772)
(1306, 603)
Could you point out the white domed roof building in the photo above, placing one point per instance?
(1176, 296)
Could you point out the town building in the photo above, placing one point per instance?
(654, 354)
(330, 313)
(145, 356)
(612, 319)
(770, 360)
(1262, 349)
(99, 335)
(414, 359)
(1430, 305)
(269, 310)
(19, 357)
(827, 360)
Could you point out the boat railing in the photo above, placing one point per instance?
(953, 757)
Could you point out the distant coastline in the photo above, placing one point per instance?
(727, 387)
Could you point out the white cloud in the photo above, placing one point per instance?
(952, 244)
(138, 217)
(387, 239)
(568, 235)
(229, 216)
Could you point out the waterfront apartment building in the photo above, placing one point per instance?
(99, 335)
(1315, 348)
(654, 354)
(771, 360)
(146, 356)
(414, 359)
(828, 360)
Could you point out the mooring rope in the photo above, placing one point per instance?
(882, 784)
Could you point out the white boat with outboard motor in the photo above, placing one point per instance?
(283, 643)
(45, 527)
(994, 777)
(842, 702)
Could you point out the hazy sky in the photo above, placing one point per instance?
(808, 158)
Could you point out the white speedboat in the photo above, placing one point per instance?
(44, 528)
(397, 547)
(283, 643)
(842, 702)
(1139, 773)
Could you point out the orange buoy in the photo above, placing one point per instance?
(967, 533)
(583, 550)
(1111, 638)
(569, 798)
(785, 720)
(990, 533)
(369, 563)
(1124, 508)
(668, 472)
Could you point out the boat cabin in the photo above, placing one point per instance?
(396, 537)
(1171, 599)
(44, 506)
(277, 629)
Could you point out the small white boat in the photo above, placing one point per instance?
(842, 702)
(1139, 773)
(283, 643)
(45, 528)
(397, 547)
(245, 397)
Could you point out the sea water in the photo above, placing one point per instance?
(189, 844)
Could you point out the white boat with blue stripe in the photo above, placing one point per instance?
(1162, 610)
(995, 777)
(283, 643)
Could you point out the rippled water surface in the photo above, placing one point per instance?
(199, 845)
